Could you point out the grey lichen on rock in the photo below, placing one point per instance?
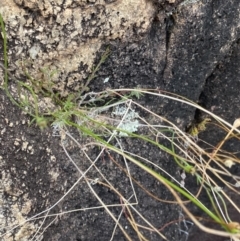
(66, 35)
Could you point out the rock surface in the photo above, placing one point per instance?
(66, 35)
(189, 47)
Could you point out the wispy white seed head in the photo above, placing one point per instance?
(228, 163)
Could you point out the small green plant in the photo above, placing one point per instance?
(118, 118)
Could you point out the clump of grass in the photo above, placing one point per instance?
(105, 126)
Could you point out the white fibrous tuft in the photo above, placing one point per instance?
(129, 122)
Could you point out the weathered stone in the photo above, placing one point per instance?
(64, 36)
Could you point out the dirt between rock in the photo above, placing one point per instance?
(35, 173)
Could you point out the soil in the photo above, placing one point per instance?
(35, 170)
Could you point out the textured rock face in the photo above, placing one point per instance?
(66, 35)
(190, 47)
